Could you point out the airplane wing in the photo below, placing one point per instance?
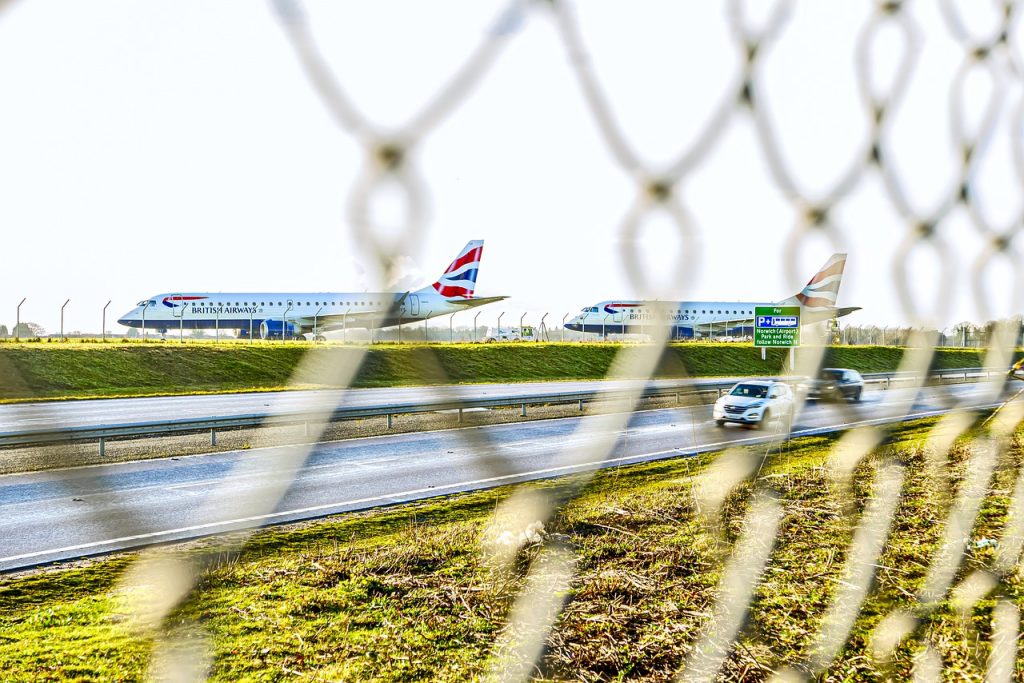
(476, 301)
(828, 314)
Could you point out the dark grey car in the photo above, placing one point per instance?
(835, 384)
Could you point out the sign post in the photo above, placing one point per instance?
(776, 326)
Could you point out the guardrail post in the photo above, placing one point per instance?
(213, 437)
(581, 404)
(677, 398)
(460, 415)
(103, 446)
(523, 412)
(389, 420)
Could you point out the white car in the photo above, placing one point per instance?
(755, 402)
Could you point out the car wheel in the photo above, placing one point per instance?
(765, 419)
(719, 423)
(856, 396)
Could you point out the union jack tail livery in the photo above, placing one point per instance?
(821, 292)
(460, 278)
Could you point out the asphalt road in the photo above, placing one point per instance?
(95, 412)
(82, 511)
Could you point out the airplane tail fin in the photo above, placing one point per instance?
(821, 292)
(460, 278)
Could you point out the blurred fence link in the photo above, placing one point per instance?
(160, 582)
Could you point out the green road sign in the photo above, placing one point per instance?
(776, 326)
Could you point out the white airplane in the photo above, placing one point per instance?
(277, 316)
(689, 319)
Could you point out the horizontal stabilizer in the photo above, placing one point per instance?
(478, 301)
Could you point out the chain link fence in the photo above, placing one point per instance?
(884, 76)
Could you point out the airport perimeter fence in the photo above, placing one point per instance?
(529, 638)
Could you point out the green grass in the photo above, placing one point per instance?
(56, 371)
(403, 594)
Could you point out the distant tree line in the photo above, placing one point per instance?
(22, 331)
(964, 333)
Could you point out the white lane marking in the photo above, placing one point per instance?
(189, 485)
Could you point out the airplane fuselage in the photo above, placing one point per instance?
(687, 319)
(294, 313)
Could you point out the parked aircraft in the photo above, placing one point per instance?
(279, 315)
(708, 318)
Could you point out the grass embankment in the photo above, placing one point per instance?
(51, 371)
(404, 594)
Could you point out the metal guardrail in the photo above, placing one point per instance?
(101, 433)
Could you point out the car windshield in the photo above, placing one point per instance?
(749, 390)
(831, 374)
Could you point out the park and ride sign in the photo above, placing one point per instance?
(777, 326)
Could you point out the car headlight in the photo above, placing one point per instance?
(755, 404)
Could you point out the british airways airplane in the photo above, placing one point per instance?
(277, 316)
(690, 319)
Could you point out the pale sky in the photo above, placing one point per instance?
(176, 145)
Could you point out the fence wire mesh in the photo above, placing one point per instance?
(160, 581)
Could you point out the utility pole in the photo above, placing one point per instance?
(451, 328)
(315, 315)
(564, 317)
(17, 323)
(103, 330)
(62, 319)
(474, 324)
